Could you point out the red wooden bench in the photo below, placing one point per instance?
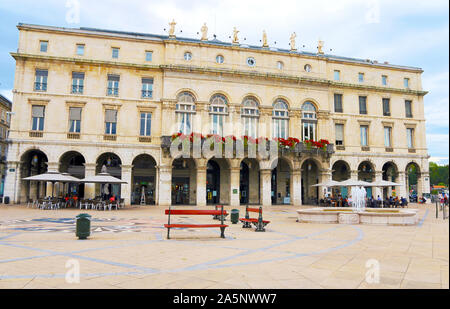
(218, 207)
(220, 213)
(258, 222)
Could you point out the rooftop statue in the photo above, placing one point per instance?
(319, 47)
(204, 31)
(172, 29)
(292, 38)
(235, 36)
(264, 40)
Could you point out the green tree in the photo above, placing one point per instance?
(438, 174)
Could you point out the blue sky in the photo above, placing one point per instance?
(413, 33)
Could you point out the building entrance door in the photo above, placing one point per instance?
(180, 190)
(244, 184)
(212, 183)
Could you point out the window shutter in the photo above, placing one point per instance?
(38, 111)
(114, 78)
(147, 80)
(77, 75)
(42, 72)
(339, 132)
(75, 113)
(111, 115)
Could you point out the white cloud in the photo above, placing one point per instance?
(7, 94)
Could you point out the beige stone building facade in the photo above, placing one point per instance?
(5, 110)
(87, 98)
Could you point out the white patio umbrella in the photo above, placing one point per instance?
(328, 183)
(102, 178)
(53, 177)
(384, 183)
(354, 183)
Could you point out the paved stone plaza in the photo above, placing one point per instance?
(128, 249)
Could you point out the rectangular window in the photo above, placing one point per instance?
(309, 131)
(43, 46)
(406, 82)
(77, 82)
(364, 137)
(146, 124)
(37, 117)
(113, 85)
(148, 56)
(408, 109)
(280, 128)
(386, 107)
(384, 80)
(338, 103)
(80, 49)
(363, 105)
(115, 52)
(410, 137)
(40, 83)
(339, 134)
(147, 87)
(185, 122)
(387, 136)
(74, 119)
(337, 75)
(110, 121)
(361, 77)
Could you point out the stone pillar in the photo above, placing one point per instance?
(89, 188)
(12, 181)
(325, 175)
(354, 175)
(165, 185)
(52, 187)
(378, 191)
(201, 186)
(125, 188)
(401, 190)
(296, 185)
(156, 196)
(234, 186)
(425, 177)
(266, 187)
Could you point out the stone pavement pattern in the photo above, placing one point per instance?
(128, 249)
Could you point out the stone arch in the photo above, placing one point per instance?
(313, 101)
(284, 98)
(33, 161)
(340, 170)
(190, 90)
(143, 179)
(225, 94)
(258, 99)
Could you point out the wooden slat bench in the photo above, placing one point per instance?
(258, 222)
(220, 213)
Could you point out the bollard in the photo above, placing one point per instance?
(437, 210)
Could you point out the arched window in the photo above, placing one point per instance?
(218, 110)
(280, 119)
(309, 121)
(250, 116)
(185, 108)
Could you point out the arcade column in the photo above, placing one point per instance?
(164, 185)
(266, 187)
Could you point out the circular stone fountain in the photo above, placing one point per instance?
(343, 215)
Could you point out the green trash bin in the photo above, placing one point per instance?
(234, 216)
(83, 228)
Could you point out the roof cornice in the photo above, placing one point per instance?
(164, 39)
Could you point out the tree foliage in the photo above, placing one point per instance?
(438, 174)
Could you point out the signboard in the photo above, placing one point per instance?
(235, 191)
(287, 200)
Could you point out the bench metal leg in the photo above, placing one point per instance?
(222, 232)
(260, 227)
